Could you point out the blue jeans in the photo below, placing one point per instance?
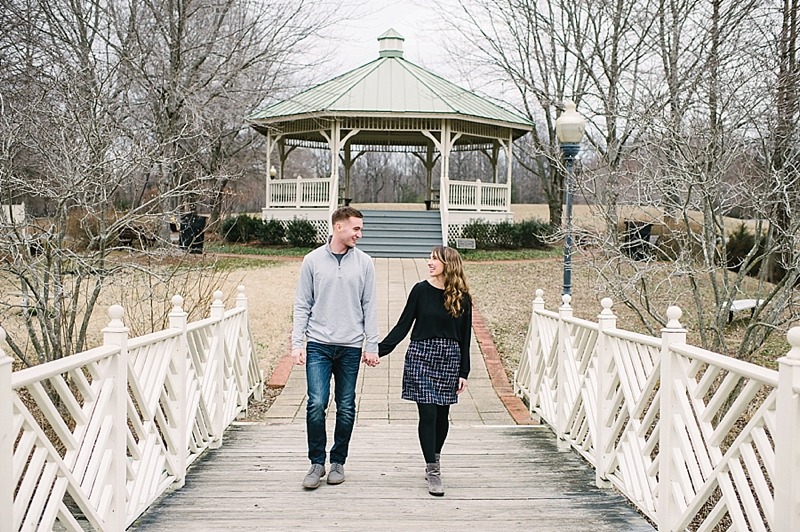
(342, 362)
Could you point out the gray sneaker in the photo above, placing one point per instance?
(316, 472)
(336, 475)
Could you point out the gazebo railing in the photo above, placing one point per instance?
(478, 196)
(299, 193)
(463, 196)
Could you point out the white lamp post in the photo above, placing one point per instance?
(272, 172)
(569, 130)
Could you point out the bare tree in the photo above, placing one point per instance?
(706, 152)
(194, 68)
(525, 44)
(113, 116)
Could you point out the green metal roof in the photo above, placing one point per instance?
(390, 85)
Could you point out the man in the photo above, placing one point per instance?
(335, 310)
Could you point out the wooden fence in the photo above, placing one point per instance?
(91, 440)
(696, 440)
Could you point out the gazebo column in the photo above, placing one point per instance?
(495, 156)
(428, 162)
(347, 162)
(270, 145)
(444, 181)
(283, 154)
(336, 141)
(444, 144)
(335, 144)
(509, 168)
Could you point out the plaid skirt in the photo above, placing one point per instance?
(430, 374)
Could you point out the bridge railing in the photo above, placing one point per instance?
(695, 439)
(91, 440)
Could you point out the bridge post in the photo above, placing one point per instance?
(667, 509)
(564, 351)
(6, 439)
(218, 352)
(606, 321)
(116, 334)
(177, 320)
(258, 394)
(787, 451)
(244, 377)
(537, 305)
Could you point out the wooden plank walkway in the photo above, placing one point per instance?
(497, 475)
(496, 478)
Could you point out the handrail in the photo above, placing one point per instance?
(299, 193)
(693, 438)
(478, 196)
(90, 441)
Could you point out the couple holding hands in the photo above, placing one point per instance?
(336, 328)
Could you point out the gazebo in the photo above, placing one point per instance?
(389, 104)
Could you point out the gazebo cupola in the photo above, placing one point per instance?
(390, 44)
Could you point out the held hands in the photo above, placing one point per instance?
(370, 359)
(462, 385)
(299, 356)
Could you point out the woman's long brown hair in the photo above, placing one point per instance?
(455, 283)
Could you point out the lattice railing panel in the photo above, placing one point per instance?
(723, 424)
(696, 440)
(153, 410)
(235, 381)
(91, 440)
(201, 387)
(580, 389)
(62, 423)
(544, 366)
(631, 438)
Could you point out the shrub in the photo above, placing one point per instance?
(533, 234)
(738, 245)
(271, 232)
(240, 228)
(505, 235)
(481, 231)
(301, 233)
(527, 234)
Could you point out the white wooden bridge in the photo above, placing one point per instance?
(104, 440)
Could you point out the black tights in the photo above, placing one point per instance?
(433, 425)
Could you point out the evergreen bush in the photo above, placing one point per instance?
(527, 234)
(241, 228)
(738, 245)
(479, 230)
(505, 236)
(301, 233)
(271, 232)
(533, 234)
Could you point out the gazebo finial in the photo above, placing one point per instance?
(390, 44)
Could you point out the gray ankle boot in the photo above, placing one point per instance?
(438, 456)
(433, 474)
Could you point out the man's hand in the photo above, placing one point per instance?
(299, 356)
(462, 385)
(370, 359)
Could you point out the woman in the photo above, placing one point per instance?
(437, 360)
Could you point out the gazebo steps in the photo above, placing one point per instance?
(403, 234)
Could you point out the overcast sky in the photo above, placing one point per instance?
(418, 21)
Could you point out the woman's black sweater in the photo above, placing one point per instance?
(425, 310)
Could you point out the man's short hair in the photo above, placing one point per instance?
(344, 213)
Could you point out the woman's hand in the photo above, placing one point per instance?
(462, 385)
